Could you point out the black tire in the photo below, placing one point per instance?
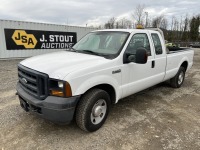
(86, 107)
(175, 81)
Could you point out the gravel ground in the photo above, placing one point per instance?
(158, 118)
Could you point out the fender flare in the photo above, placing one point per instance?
(184, 59)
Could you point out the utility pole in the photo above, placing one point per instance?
(146, 13)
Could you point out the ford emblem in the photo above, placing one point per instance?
(24, 80)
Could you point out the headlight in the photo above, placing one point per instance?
(60, 84)
(59, 88)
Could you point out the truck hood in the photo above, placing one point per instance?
(59, 64)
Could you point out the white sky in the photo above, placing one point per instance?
(91, 12)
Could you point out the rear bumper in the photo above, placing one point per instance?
(55, 109)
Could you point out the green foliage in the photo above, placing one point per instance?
(194, 28)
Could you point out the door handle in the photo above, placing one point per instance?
(153, 64)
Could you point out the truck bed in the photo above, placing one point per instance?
(171, 50)
(175, 56)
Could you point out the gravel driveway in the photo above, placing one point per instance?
(158, 118)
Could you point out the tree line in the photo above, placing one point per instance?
(176, 29)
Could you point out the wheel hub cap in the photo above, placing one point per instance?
(180, 78)
(98, 111)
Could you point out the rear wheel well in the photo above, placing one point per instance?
(109, 89)
(184, 65)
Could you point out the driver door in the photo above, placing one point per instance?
(139, 76)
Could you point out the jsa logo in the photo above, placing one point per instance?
(20, 37)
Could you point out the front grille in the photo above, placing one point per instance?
(33, 82)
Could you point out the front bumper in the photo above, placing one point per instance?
(55, 109)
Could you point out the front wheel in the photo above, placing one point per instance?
(178, 80)
(92, 110)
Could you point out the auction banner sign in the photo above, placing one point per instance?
(17, 39)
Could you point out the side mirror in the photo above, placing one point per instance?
(141, 56)
(127, 58)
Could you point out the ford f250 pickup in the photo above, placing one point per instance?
(83, 82)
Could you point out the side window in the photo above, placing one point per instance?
(139, 40)
(157, 43)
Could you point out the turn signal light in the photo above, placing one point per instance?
(57, 93)
(68, 90)
(61, 89)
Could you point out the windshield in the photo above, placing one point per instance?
(102, 43)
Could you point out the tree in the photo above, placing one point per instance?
(139, 14)
(110, 24)
(194, 28)
(123, 24)
(159, 22)
(185, 28)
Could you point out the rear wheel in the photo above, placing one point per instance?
(178, 80)
(92, 110)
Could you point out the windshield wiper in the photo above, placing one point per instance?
(92, 52)
(71, 49)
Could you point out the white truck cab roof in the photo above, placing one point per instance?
(134, 30)
(120, 30)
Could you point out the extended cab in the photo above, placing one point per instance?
(102, 68)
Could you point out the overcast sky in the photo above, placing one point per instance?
(91, 12)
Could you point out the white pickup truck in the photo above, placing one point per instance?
(103, 67)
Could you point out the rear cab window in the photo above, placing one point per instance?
(157, 44)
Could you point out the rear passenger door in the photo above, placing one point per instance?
(160, 60)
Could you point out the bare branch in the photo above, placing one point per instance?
(139, 14)
(123, 23)
(110, 24)
(159, 22)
